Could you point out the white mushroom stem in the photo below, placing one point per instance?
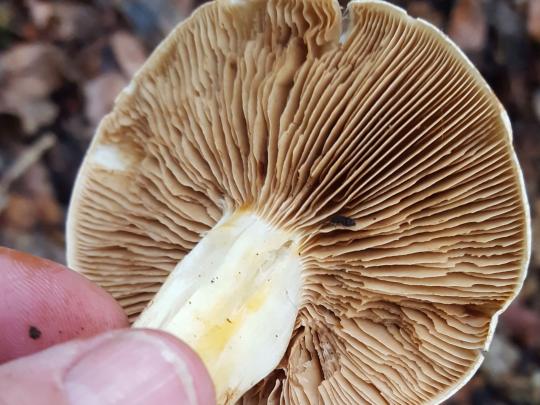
(234, 299)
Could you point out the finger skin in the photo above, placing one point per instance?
(44, 303)
(131, 366)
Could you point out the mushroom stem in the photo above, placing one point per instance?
(234, 299)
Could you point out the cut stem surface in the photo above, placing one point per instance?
(234, 299)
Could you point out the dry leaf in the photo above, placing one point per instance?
(65, 21)
(424, 10)
(168, 13)
(523, 323)
(129, 52)
(29, 73)
(34, 69)
(37, 113)
(533, 19)
(20, 212)
(501, 359)
(100, 94)
(467, 26)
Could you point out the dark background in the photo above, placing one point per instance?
(63, 62)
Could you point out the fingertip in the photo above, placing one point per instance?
(190, 365)
(43, 303)
(139, 366)
(115, 368)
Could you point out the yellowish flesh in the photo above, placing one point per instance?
(234, 299)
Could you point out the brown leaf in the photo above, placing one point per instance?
(35, 182)
(522, 323)
(100, 94)
(533, 19)
(36, 114)
(424, 10)
(128, 51)
(41, 12)
(29, 73)
(33, 69)
(65, 21)
(89, 61)
(49, 212)
(536, 233)
(467, 25)
(20, 213)
(501, 359)
(167, 12)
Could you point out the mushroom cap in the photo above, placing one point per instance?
(380, 144)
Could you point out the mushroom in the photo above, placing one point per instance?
(327, 209)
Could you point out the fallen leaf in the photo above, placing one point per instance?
(65, 21)
(522, 323)
(501, 359)
(424, 10)
(29, 74)
(100, 94)
(533, 19)
(34, 69)
(41, 12)
(467, 26)
(49, 211)
(129, 52)
(20, 213)
(146, 15)
(36, 114)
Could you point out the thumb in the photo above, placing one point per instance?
(117, 368)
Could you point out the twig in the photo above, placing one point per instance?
(30, 156)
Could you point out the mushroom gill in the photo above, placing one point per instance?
(373, 168)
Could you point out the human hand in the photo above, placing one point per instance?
(43, 304)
